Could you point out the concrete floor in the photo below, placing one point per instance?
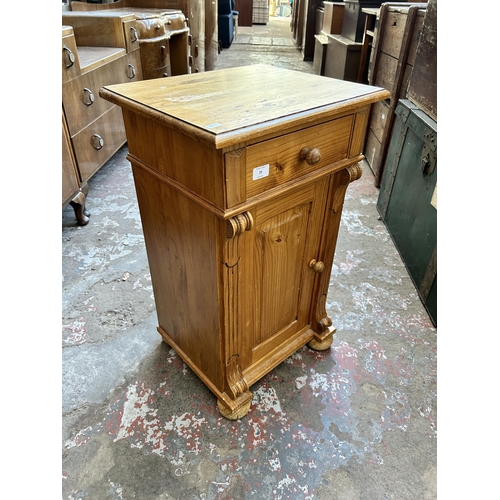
(355, 422)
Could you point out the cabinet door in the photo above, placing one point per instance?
(274, 282)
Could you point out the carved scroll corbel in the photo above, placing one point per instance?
(348, 175)
(237, 383)
(238, 224)
(324, 330)
(324, 321)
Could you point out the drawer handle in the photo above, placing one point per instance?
(135, 35)
(312, 156)
(97, 141)
(317, 266)
(70, 58)
(130, 71)
(88, 97)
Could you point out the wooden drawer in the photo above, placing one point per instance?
(69, 55)
(104, 29)
(386, 76)
(185, 51)
(277, 161)
(380, 112)
(162, 72)
(131, 34)
(112, 131)
(394, 31)
(85, 89)
(155, 57)
(372, 152)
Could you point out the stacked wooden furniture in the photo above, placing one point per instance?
(94, 52)
(332, 17)
(354, 18)
(192, 11)
(407, 200)
(343, 55)
(241, 211)
(393, 55)
(164, 39)
(371, 20)
(305, 38)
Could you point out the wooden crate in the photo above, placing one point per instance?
(395, 45)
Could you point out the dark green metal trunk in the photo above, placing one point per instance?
(407, 201)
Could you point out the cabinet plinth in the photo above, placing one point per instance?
(240, 187)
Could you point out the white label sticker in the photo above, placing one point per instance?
(260, 172)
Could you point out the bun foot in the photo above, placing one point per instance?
(320, 346)
(235, 414)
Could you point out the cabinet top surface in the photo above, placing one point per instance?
(227, 106)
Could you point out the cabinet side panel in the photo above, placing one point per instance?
(181, 243)
(358, 132)
(70, 178)
(195, 166)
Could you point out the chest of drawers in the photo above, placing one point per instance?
(240, 185)
(95, 51)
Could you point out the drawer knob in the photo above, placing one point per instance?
(88, 97)
(312, 156)
(97, 141)
(134, 37)
(317, 265)
(130, 71)
(70, 60)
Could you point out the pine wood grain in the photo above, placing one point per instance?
(228, 106)
(241, 264)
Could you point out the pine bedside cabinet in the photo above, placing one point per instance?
(240, 176)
